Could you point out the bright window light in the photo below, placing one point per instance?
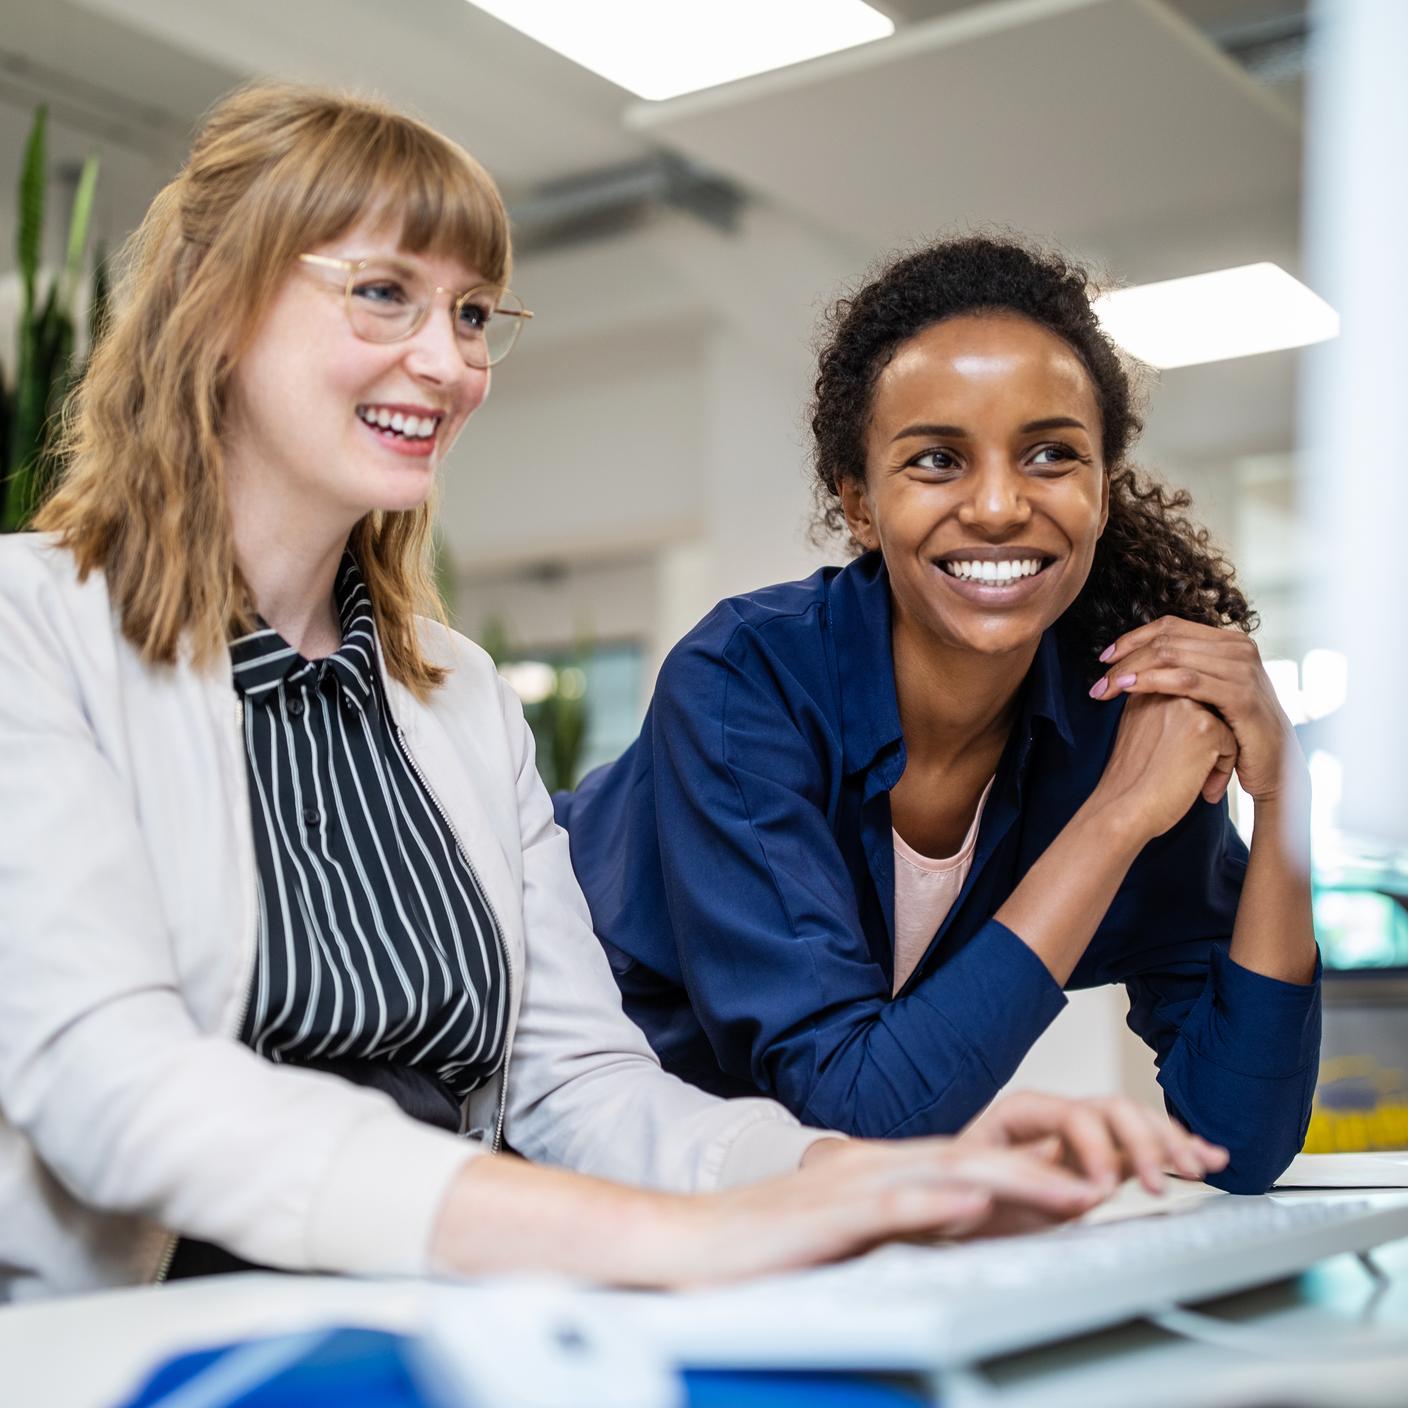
(660, 50)
(1324, 682)
(531, 680)
(1326, 791)
(1213, 317)
(1285, 680)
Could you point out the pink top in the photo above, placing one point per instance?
(925, 890)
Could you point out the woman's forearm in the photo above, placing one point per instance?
(503, 1214)
(1274, 934)
(1063, 897)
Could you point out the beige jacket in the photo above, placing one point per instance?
(129, 1111)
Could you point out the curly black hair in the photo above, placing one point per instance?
(1151, 560)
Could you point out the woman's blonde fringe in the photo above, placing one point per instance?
(276, 169)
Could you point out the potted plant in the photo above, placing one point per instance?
(45, 364)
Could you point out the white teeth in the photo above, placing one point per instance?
(413, 427)
(996, 572)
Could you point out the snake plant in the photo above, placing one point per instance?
(45, 366)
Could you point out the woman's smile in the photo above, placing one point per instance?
(997, 578)
(403, 429)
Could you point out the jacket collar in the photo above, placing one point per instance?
(858, 608)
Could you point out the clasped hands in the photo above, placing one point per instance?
(1202, 708)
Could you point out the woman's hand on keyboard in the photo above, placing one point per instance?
(1106, 1139)
(502, 1214)
(852, 1195)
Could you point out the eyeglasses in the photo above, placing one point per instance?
(388, 299)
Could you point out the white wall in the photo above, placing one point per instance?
(1088, 1050)
(585, 448)
(669, 428)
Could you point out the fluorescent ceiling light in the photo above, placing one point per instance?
(662, 48)
(1212, 317)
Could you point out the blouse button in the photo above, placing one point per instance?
(295, 707)
(311, 816)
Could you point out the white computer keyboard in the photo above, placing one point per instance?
(1072, 1256)
(920, 1307)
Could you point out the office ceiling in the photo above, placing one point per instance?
(1108, 126)
(1115, 126)
(143, 70)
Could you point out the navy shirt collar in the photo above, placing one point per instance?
(859, 612)
(264, 660)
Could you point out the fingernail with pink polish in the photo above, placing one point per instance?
(1099, 687)
(1108, 651)
(1124, 681)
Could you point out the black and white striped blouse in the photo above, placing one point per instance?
(376, 946)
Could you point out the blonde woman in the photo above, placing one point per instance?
(291, 951)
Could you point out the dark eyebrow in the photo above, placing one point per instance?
(1032, 427)
(952, 432)
(957, 432)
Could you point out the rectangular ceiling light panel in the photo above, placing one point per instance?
(1214, 317)
(660, 50)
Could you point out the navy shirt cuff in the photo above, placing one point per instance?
(998, 996)
(1259, 1026)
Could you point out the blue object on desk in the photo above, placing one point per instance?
(335, 1368)
(747, 1388)
(358, 1368)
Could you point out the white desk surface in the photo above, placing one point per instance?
(90, 1351)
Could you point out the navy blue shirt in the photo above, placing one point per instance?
(738, 859)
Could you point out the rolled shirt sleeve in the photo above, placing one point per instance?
(1238, 1052)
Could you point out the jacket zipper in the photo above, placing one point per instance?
(254, 955)
(500, 1113)
(173, 1239)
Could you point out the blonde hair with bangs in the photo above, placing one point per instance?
(276, 170)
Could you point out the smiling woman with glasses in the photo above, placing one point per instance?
(292, 953)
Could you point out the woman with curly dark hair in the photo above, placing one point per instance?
(878, 820)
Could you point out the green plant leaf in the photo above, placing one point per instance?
(45, 336)
(567, 722)
(46, 351)
(79, 218)
(99, 305)
(29, 396)
(493, 639)
(7, 415)
(29, 234)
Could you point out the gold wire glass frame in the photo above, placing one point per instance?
(387, 300)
